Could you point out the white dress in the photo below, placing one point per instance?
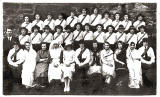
(134, 67)
(28, 67)
(54, 71)
(68, 59)
(107, 61)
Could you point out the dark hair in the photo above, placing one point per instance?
(87, 24)
(120, 43)
(37, 14)
(99, 25)
(141, 16)
(78, 24)
(127, 15)
(95, 8)
(35, 27)
(59, 27)
(106, 12)
(44, 43)
(111, 27)
(68, 27)
(142, 26)
(132, 43)
(10, 27)
(47, 27)
(119, 15)
(24, 29)
(87, 11)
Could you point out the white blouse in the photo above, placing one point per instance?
(96, 21)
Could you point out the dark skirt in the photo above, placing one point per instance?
(16, 72)
(76, 45)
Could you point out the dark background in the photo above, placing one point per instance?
(14, 13)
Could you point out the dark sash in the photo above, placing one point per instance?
(45, 37)
(77, 35)
(109, 36)
(49, 22)
(126, 25)
(105, 22)
(80, 55)
(117, 24)
(34, 36)
(108, 55)
(21, 38)
(37, 23)
(94, 19)
(120, 36)
(130, 38)
(15, 55)
(97, 36)
(71, 21)
(85, 35)
(66, 37)
(83, 18)
(26, 25)
(61, 22)
(141, 37)
(57, 37)
(138, 24)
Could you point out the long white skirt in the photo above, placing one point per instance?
(68, 71)
(107, 69)
(27, 78)
(54, 72)
(135, 72)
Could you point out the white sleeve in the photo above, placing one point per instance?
(9, 58)
(88, 57)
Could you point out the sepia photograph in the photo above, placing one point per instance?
(82, 48)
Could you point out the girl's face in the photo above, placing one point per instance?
(26, 19)
(141, 30)
(125, 17)
(37, 17)
(59, 30)
(132, 46)
(95, 45)
(95, 11)
(49, 17)
(55, 45)
(132, 31)
(35, 30)
(119, 46)
(99, 28)
(60, 17)
(110, 29)
(140, 18)
(23, 31)
(46, 30)
(106, 16)
(78, 27)
(44, 47)
(117, 16)
(16, 47)
(106, 46)
(81, 45)
(68, 30)
(86, 28)
(84, 11)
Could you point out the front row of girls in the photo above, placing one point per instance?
(60, 64)
(87, 35)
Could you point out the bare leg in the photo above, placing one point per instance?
(65, 84)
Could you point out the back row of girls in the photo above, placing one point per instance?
(83, 18)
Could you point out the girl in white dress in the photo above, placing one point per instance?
(68, 67)
(134, 66)
(28, 65)
(38, 22)
(23, 37)
(139, 21)
(116, 22)
(27, 24)
(54, 71)
(107, 61)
